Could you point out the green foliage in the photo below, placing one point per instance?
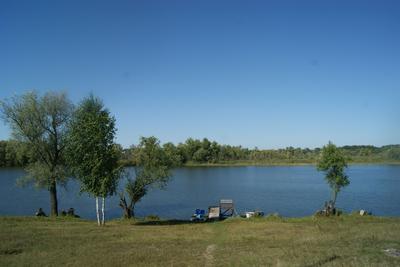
(92, 154)
(153, 165)
(200, 155)
(195, 151)
(36, 170)
(393, 153)
(333, 163)
(14, 154)
(40, 124)
(152, 169)
(152, 217)
(173, 154)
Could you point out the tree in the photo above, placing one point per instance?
(200, 155)
(41, 122)
(333, 163)
(191, 146)
(173, 154)
(14, 154)
(152, 169)
(92, 154)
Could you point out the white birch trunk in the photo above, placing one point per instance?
(97, 211)
(102, 211)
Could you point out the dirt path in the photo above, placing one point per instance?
(208, 255)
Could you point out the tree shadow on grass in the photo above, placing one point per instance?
(168, 222)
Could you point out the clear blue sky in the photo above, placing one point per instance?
(255, 73)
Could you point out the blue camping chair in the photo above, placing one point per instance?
(199, 215)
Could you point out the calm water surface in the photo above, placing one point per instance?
(289, 190)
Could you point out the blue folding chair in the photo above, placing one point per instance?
(199, 214)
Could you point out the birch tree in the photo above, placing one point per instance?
(41, 123)
(92, 154)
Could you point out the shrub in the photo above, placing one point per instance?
(152, 218)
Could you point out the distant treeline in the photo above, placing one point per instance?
(199, 152)
(14, 154)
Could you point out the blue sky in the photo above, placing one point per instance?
(253, 73)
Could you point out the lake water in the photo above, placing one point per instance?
(289, 190)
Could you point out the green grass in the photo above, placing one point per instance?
(336, 241)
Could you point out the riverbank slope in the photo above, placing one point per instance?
(338, 241)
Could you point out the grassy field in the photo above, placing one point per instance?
(336, 241)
